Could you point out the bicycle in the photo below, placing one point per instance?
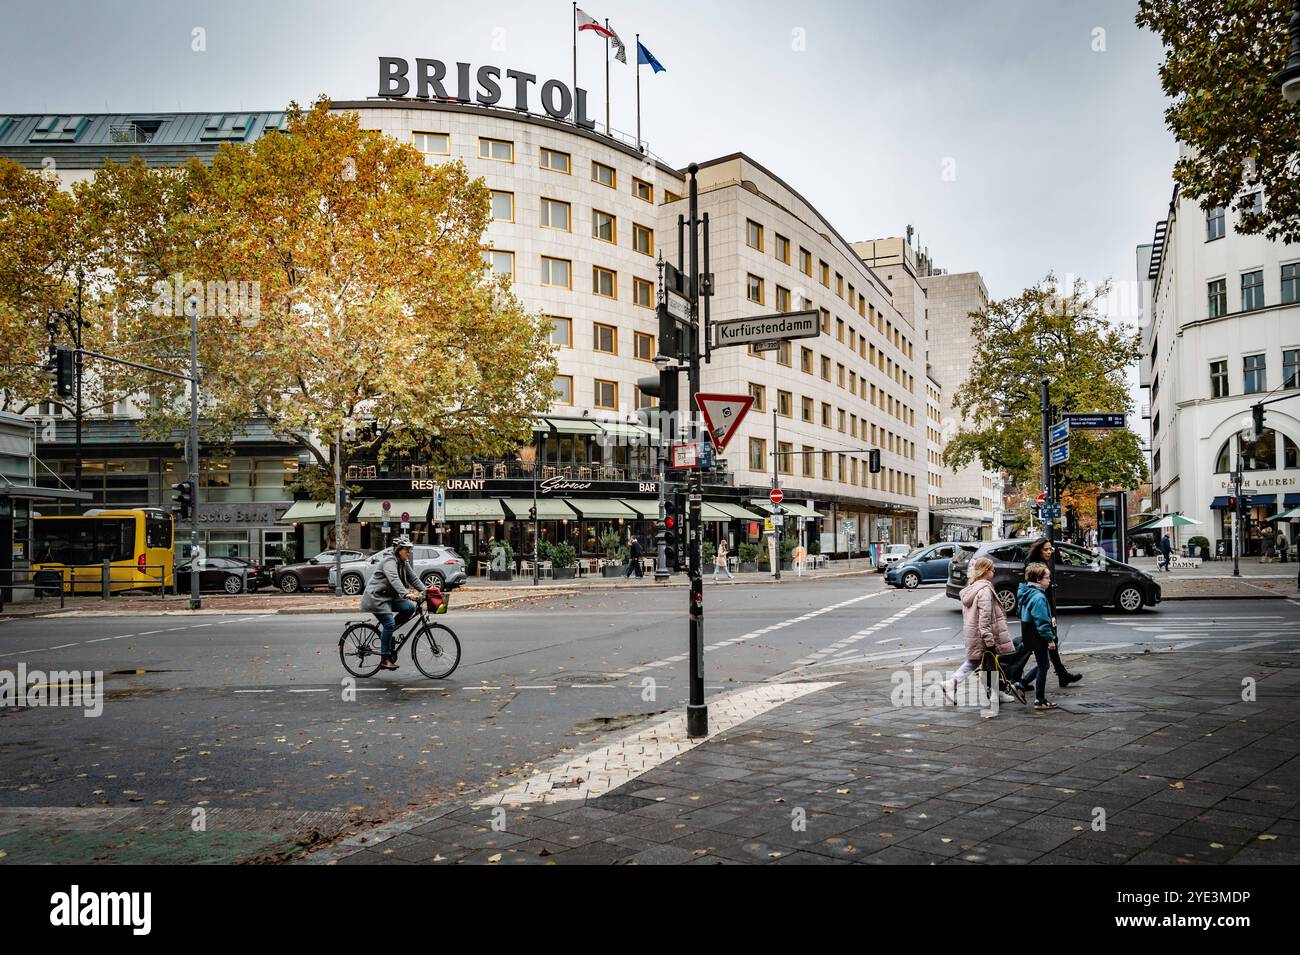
(435, 649)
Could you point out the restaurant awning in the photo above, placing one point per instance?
(372, 509)
(602, 510)
(548, 509)
(646, 509)
(309, 512)
(635, 432)
(1218, 504)
(474, 509)
(735, 511)
(568, 426)
(712, 512)
(791, 507)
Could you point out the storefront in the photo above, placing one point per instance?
(1259, 530)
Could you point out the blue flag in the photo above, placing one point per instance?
(645, 58)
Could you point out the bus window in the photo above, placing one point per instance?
(157, 532)
(83, 541)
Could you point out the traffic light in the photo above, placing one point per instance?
(532, 513)
(183, 499)
(669, 530)
(1257, 413)
(65, 371)
(873, 460)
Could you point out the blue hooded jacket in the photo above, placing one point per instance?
(1035, 609)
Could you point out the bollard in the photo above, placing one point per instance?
(105, 579)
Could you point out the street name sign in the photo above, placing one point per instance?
(678, 307)
(1098, 420)
(781, 326)
(1060, 454)
(722, 414)
(1060, 431)
(692, 455)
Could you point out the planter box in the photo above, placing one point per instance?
(500, 575)
(787, 565)
(613, 570)
(563, 573)
(748, 568)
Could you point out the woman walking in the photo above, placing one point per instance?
(1044, 552)
(720, 560)
(984, 626)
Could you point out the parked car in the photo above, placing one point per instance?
(925, 565)
(314, 572)
(892, 554)
(233, 575)
(437, 567)
(1082, 577)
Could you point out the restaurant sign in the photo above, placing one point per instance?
(553, 486)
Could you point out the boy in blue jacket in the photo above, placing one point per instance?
(1036, 626)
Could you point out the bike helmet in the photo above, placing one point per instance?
(400, 541)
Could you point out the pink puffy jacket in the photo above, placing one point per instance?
(984, 622)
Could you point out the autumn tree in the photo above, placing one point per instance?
(1056, 333)
(1220, 57)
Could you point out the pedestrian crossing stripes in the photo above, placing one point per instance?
(838, 646)
(1236, 634)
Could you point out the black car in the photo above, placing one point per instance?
(1082, 577)
(226, 574)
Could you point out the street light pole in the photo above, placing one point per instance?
(1044, 408)
(196, 602)
(777, 529)
(697, 713)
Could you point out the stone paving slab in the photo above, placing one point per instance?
(1186, 771)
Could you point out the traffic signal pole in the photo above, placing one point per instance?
(697, 713)
(196, 602)
(1045, 410)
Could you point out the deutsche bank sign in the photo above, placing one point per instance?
(483, 87)
(762, 328)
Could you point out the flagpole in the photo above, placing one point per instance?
(607, 132)
(575, 60)
(638, 92)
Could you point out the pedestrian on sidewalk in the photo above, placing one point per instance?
(633, 558)
(984, 627)
(720, 560)
(1036, 631)
(1044, 552)
(1166, 548)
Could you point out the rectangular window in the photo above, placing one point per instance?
(1252, 290)
(1291, 283)
(806, 360)
(433, 144)
(754, 289)
(604, 282)
(604, 226)
(605, 394)
(806, 409)
(501, 263)
(605, 175)
(784, 404)
(555, 214)
(604, 338)
(826, 465)
(1218, 294)
(824, 271)
(561, 331)
(503, 206)
(782, 299)
(757, 454)
(645, 346)
(826, 321)
(555, 160)
(502, 150)
(784, 457)
(643, 293)
(783, 354)
(643, 239)
(839, 330)
(826, 368)
(563, 385)
(557, 273)
(753, 235)
(759, 394)
(782, 248)
(839, 285)
(809, 461)
(1254, 373)
(805, 262)
(643, 400)
(826, 415)
(1214, 223)
(839, 374)
(643, 190)
(1291, 368)
(843, 418)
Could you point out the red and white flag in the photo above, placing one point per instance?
(591, 23)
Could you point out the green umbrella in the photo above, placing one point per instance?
(1291, 514)
(1172, 520)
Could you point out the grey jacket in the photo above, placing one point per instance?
(388, 584)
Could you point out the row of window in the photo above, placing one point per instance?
(846, 422)
(1259, 455)
(558, 215)
(834, 467)
(604, 338)
(1252, 290)
(1216, 219)
(558, 273)
(1254, 374)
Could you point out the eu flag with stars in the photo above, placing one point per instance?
(645, 58)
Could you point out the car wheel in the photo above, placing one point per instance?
(911, 580)
(434, 579)
(353, 584)
(232, 584)
(290, 584)
(1008, 600)
(1129, 599)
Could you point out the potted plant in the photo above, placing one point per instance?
(615, 550)
(1201, 544)
(748, 555)
(501, 553)
(785, 549)
(562, 557)
(709, 553)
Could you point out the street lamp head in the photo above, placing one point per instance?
(662, 361)
(1288, 80)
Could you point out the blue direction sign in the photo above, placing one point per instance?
(1099, 420)
(1060, 431)
(1060, 454)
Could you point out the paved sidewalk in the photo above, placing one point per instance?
(1154, 758)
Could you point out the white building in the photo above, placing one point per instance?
(1221, 331)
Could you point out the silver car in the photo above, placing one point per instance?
(436, 566)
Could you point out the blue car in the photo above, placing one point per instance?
(926, 565)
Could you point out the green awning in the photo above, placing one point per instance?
(635, 432)
(712, 512)
(474, 509)
(601, 510)
(372, 509)
(791, 508)
(548, 509)
(308, 512)
(735, 511)
(646, 509)
(567, 426)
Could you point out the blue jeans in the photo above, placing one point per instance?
(388, 622)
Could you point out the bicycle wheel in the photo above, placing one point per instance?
(436, 655)
(359, 649)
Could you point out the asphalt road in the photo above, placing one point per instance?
(249, 711)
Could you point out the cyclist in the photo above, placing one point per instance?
(390, 595)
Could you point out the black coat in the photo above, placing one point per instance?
(636, 549)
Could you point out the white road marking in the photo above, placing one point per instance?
(255, 691)
(321, 690)
(839, 645)
(936, 629)
(64, 646)
(1247, 646)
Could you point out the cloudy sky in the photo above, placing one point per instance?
(1016, 137)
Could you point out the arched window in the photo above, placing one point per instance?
(1260, 454)
(1223, 461)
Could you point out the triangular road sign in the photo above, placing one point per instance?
(722, 414)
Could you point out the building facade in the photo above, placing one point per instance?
(1220, 332)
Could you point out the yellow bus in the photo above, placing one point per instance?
(137, 543)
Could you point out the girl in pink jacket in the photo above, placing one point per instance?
(984, 626)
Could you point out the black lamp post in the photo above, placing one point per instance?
(1288, 80)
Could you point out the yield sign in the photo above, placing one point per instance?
(722, 413)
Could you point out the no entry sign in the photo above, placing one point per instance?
(776, 496)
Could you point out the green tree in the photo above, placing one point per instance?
(1220, 56)
(1054, 333)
